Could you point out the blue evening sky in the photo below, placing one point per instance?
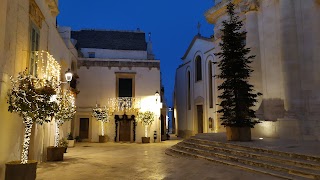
(172, 23)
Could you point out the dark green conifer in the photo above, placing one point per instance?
(237, 96)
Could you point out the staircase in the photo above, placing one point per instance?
(276, 163)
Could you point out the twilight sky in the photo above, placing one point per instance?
(172, 23)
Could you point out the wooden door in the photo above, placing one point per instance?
(125, 131)
(200, 118)
(84, 128)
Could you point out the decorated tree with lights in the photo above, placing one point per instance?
(65, 112)
(146, 118)
(101, 115)
(30, 98)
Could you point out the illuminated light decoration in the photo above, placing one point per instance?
(47, 67)
(68, 75)
(30, 98)
(66, 110)
(146, 118)
(101, 114)
(124, 104)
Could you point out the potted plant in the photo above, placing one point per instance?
(70, 140)
(237, 97)
(101, 115)
(146, 118)
(65, 112)
(27, 95)
(63, 143)
(78, 139)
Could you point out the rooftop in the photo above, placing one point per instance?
(110, 39)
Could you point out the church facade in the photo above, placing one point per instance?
(118, 71)
(193, 92)
(283, 35)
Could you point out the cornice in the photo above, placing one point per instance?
(213, 14)
(249, 5)
(53, 6)
(120, 64)
(35, 13)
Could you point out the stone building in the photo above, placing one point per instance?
(194, 95)
(284, 37)
(117, 70)
(29, 36)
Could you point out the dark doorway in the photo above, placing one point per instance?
(163, 128)
(200, 118)
(125, 87)
(125, 130)
(84, 128)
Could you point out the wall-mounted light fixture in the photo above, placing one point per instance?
(68, 75)
(157, 95)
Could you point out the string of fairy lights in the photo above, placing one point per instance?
(47, 67)
(30, 107)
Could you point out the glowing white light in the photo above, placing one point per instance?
(53, 98)
(68, 75)
(260, 138)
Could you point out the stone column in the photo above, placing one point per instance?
(253, 42)
(290, 57)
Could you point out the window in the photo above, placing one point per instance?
(34, 46)
(92, 54)
(198, 68)
(125, 87)
(189, 93)
(125, 84)
(210, 84)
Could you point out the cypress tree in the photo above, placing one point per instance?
(237, 96)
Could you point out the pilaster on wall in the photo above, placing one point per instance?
(251, 7)
(290, 56)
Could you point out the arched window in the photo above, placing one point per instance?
(198, 68)
(189, 93)
(210, 74)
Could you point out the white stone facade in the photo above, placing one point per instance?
(99, 77)
(186, 114)
(284, 36)
(15, 25)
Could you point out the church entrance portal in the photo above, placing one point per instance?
(200, 118)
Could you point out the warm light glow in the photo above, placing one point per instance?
(260, 138)
(102, 115)
(68, 75)
(47, 66)
(123, 104)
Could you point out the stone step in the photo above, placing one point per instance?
(180, 153)
(257, 149)
(259, 156)
(303, 172)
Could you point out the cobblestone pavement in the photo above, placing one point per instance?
(124, 161)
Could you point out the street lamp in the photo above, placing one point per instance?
(68, 75)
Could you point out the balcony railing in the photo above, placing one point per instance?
(124, 104)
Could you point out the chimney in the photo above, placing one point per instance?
(150, 54)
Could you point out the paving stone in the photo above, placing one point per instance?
(88, 161)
